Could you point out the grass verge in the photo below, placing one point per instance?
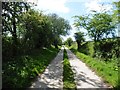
(68, 75)
(20, 72)
(107, 70)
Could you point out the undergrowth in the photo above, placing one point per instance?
(19, 72)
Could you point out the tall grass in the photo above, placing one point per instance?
(68, 75)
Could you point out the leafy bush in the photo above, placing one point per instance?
(87, 48)
(19, 72)
(7, 48)
(107, 48)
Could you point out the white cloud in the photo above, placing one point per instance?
(95, 5)
(53, 5)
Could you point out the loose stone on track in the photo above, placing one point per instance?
(53, 75)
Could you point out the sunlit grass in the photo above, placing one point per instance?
(68, 75)
(107, 70)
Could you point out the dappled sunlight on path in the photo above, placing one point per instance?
(84, 77)
(53, 75)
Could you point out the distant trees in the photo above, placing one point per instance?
(69, 41)
(59, 26)
(79, 36)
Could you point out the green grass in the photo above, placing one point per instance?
(107, 70)
(20, 72)
(74, 45)
(68, 75)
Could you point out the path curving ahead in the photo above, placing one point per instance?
(84, 77)
(53, 75)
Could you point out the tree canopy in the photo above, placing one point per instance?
(69, 41)
(25, 28)
(79, 36)
(59, 26)
(99, 25)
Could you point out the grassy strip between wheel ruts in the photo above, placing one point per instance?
(108, 71)
(20, 72)
(68, 75)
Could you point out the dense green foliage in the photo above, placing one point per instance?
(11, 13)
(27, 36)
(68, 75)
(26, 29)
(100, 28)
(68, 42)
(107, 70)
(105, 49)
(79, 36)
(59, 26)
(116, 12)
(20, 72)
(87, 48)
(98, 25)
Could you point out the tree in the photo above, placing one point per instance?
(116, 15)
(69, 41)
(25, 29)
(11, 16)
(37, 29)
(116, 12)
(79, 36)
(59, 26)
(11, 12)
(99, 25)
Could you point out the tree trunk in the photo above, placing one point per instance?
(78, 45)
(14, 34)
(55, 44)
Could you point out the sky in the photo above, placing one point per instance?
(69, 8)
